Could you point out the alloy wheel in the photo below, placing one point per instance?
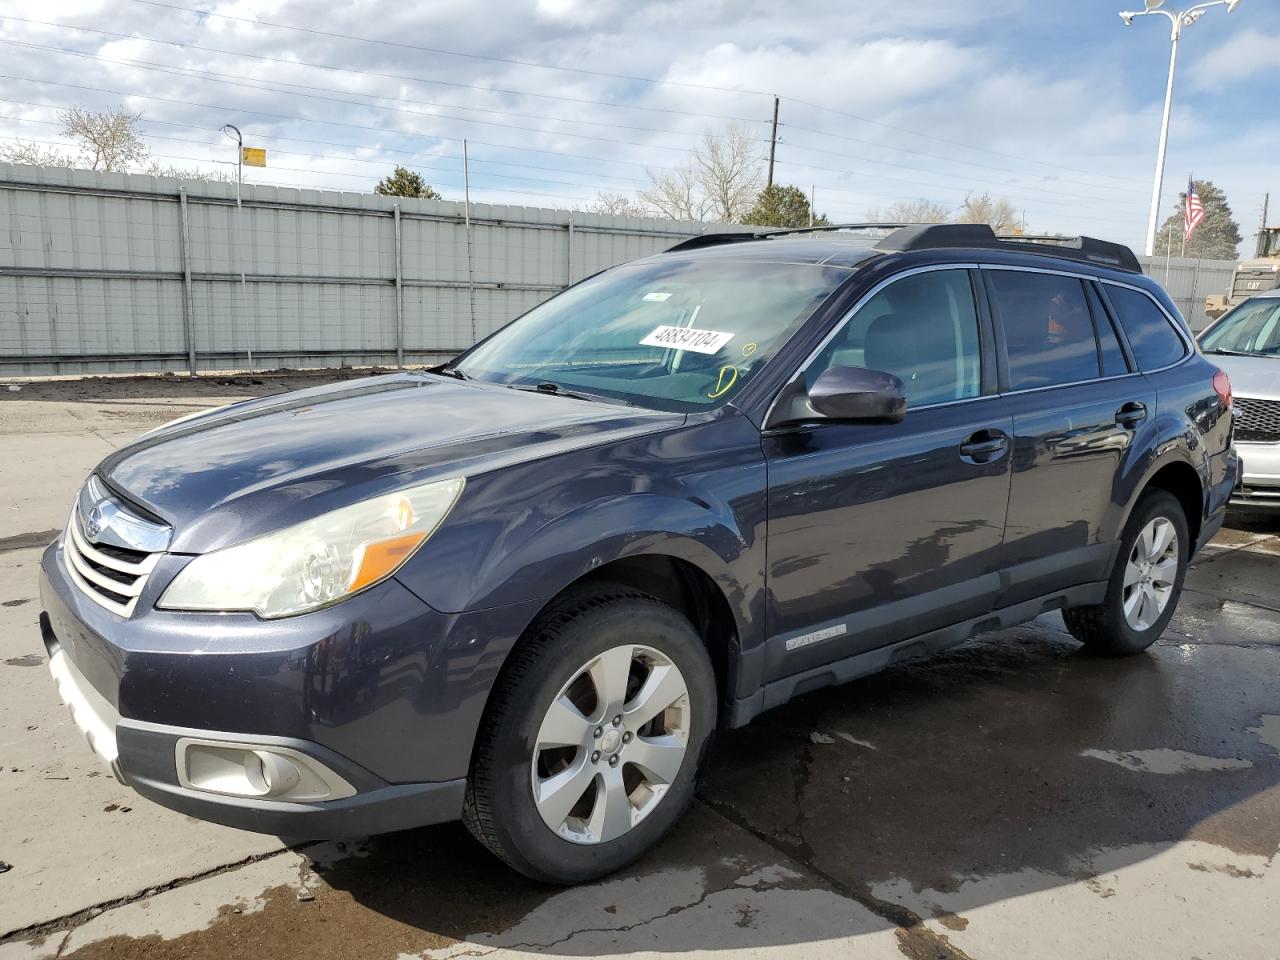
(1150, 574)
(611, 744)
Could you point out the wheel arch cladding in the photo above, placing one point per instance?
(1181, 479)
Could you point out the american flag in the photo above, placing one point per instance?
(1194, 211)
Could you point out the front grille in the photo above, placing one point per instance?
(1247, 284)
(1257, 421)
(110, 576)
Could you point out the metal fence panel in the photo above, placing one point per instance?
(1188, 282)
(113, 273)
(95, 271)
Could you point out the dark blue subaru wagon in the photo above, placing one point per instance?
(524, 589)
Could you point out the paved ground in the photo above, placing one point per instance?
(1011, 799)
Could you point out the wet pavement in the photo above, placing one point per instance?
(1015, 797)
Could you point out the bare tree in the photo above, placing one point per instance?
(108, 140)
(728, 170)
(156, 169)
(675, 194)
(618, 204)
(720, 180)
(910, 211)
(981, 208)
(35, 155)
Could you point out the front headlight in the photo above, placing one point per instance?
(316, 563)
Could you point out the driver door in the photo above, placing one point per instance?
(878, 532)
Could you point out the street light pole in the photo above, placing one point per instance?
(1177, 21)
(229, 129)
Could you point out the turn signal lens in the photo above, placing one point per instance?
(1222, 387)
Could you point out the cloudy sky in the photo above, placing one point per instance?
(1054, 105)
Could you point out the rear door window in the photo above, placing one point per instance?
(1151, 336)
(1048, 330)
(1109, 350)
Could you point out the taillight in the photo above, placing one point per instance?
(1222, 387)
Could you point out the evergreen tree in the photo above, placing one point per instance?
(406, 183)
(782, 206)
(1217, 237)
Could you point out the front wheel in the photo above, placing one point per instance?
(593, 737)
(1145, 582)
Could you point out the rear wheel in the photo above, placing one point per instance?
(593, 737)
(1145, 583)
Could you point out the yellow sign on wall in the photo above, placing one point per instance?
(253, 156)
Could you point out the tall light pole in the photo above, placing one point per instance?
(1178, 20)
(232, 131)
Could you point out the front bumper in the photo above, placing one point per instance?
(381, 691)
(1259, 487)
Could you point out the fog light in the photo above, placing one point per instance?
(258, 771)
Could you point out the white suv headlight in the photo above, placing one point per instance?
(316, 563)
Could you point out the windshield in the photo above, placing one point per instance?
(1253, 328)
(1269, 244)
(669, 334)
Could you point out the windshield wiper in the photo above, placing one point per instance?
(556, 390)
(448, 371)
(1222, 351)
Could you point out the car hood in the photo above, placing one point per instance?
(1250, 376)
(261, 465)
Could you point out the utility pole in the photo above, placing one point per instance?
(1262, 228)
(471, 275)
(773, 142)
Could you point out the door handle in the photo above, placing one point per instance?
(984, 446)
(1131, 414)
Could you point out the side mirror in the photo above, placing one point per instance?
(843, 393)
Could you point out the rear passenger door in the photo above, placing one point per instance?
(1077, 404)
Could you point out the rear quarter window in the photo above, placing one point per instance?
(1154, 342)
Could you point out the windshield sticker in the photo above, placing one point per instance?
(659, 297)
(687, 338)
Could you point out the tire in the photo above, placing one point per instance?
(1108, 628)
(572, 654)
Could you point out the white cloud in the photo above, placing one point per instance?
(909, 84)
(1247, 55)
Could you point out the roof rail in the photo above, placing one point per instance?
(716, 239)
(827, 227)
(934, 235)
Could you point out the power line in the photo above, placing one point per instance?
(954, 143)
(326, 173)
(931, 156)
(346, 159)
(905, 166)
(219, 78)
(450, 53)
(616, 76)
(333, 123)
(247, 83)
(183, 45)
(412, 154)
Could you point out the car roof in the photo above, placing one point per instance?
(850, 245)
(838, 251)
